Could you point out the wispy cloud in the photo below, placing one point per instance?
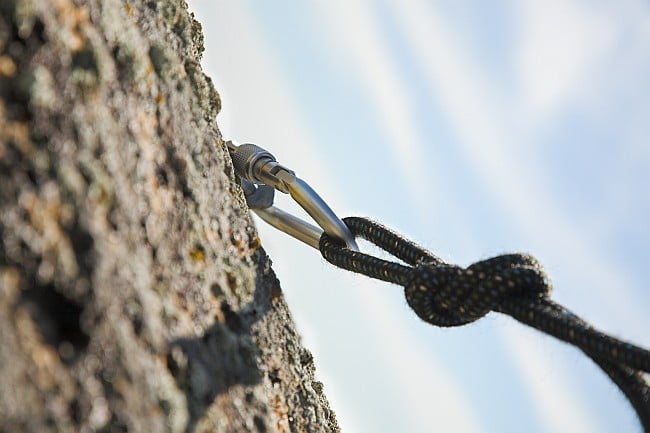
(485, 134)
(484, 127)
(427, 386)
(560, 48)
(560, 408)
(354, 35)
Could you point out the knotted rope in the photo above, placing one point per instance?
(515, 284)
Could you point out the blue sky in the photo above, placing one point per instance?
(475, 129)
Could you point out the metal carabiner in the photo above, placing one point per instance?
(261, 174)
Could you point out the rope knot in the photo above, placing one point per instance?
(513, 284)
(449, 295)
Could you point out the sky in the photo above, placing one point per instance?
(474, 128)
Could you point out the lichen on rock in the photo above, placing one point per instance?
(134, 294)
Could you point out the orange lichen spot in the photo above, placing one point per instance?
(7, 67)
(16, 133)
(281, 411)
(82, 15)
(197, 254)
(73, 22)
(255, 243)
(160, 99)
(129, 9)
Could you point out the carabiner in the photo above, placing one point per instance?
(260, 173)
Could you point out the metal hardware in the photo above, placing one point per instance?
(260, 171)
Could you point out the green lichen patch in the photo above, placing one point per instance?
(209, 99)
(159, 59)
(85, 59)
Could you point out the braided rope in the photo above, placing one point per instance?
(515, 284)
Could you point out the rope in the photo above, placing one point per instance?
(515, 284)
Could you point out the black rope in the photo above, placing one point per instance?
(515, 284)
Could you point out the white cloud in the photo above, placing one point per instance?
(561, 47)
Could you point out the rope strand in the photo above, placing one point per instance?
(514, 284)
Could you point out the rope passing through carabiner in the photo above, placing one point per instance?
(514, 284)
(440, 294)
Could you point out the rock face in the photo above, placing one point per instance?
(134, 294)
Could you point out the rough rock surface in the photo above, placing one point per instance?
(134, 295)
